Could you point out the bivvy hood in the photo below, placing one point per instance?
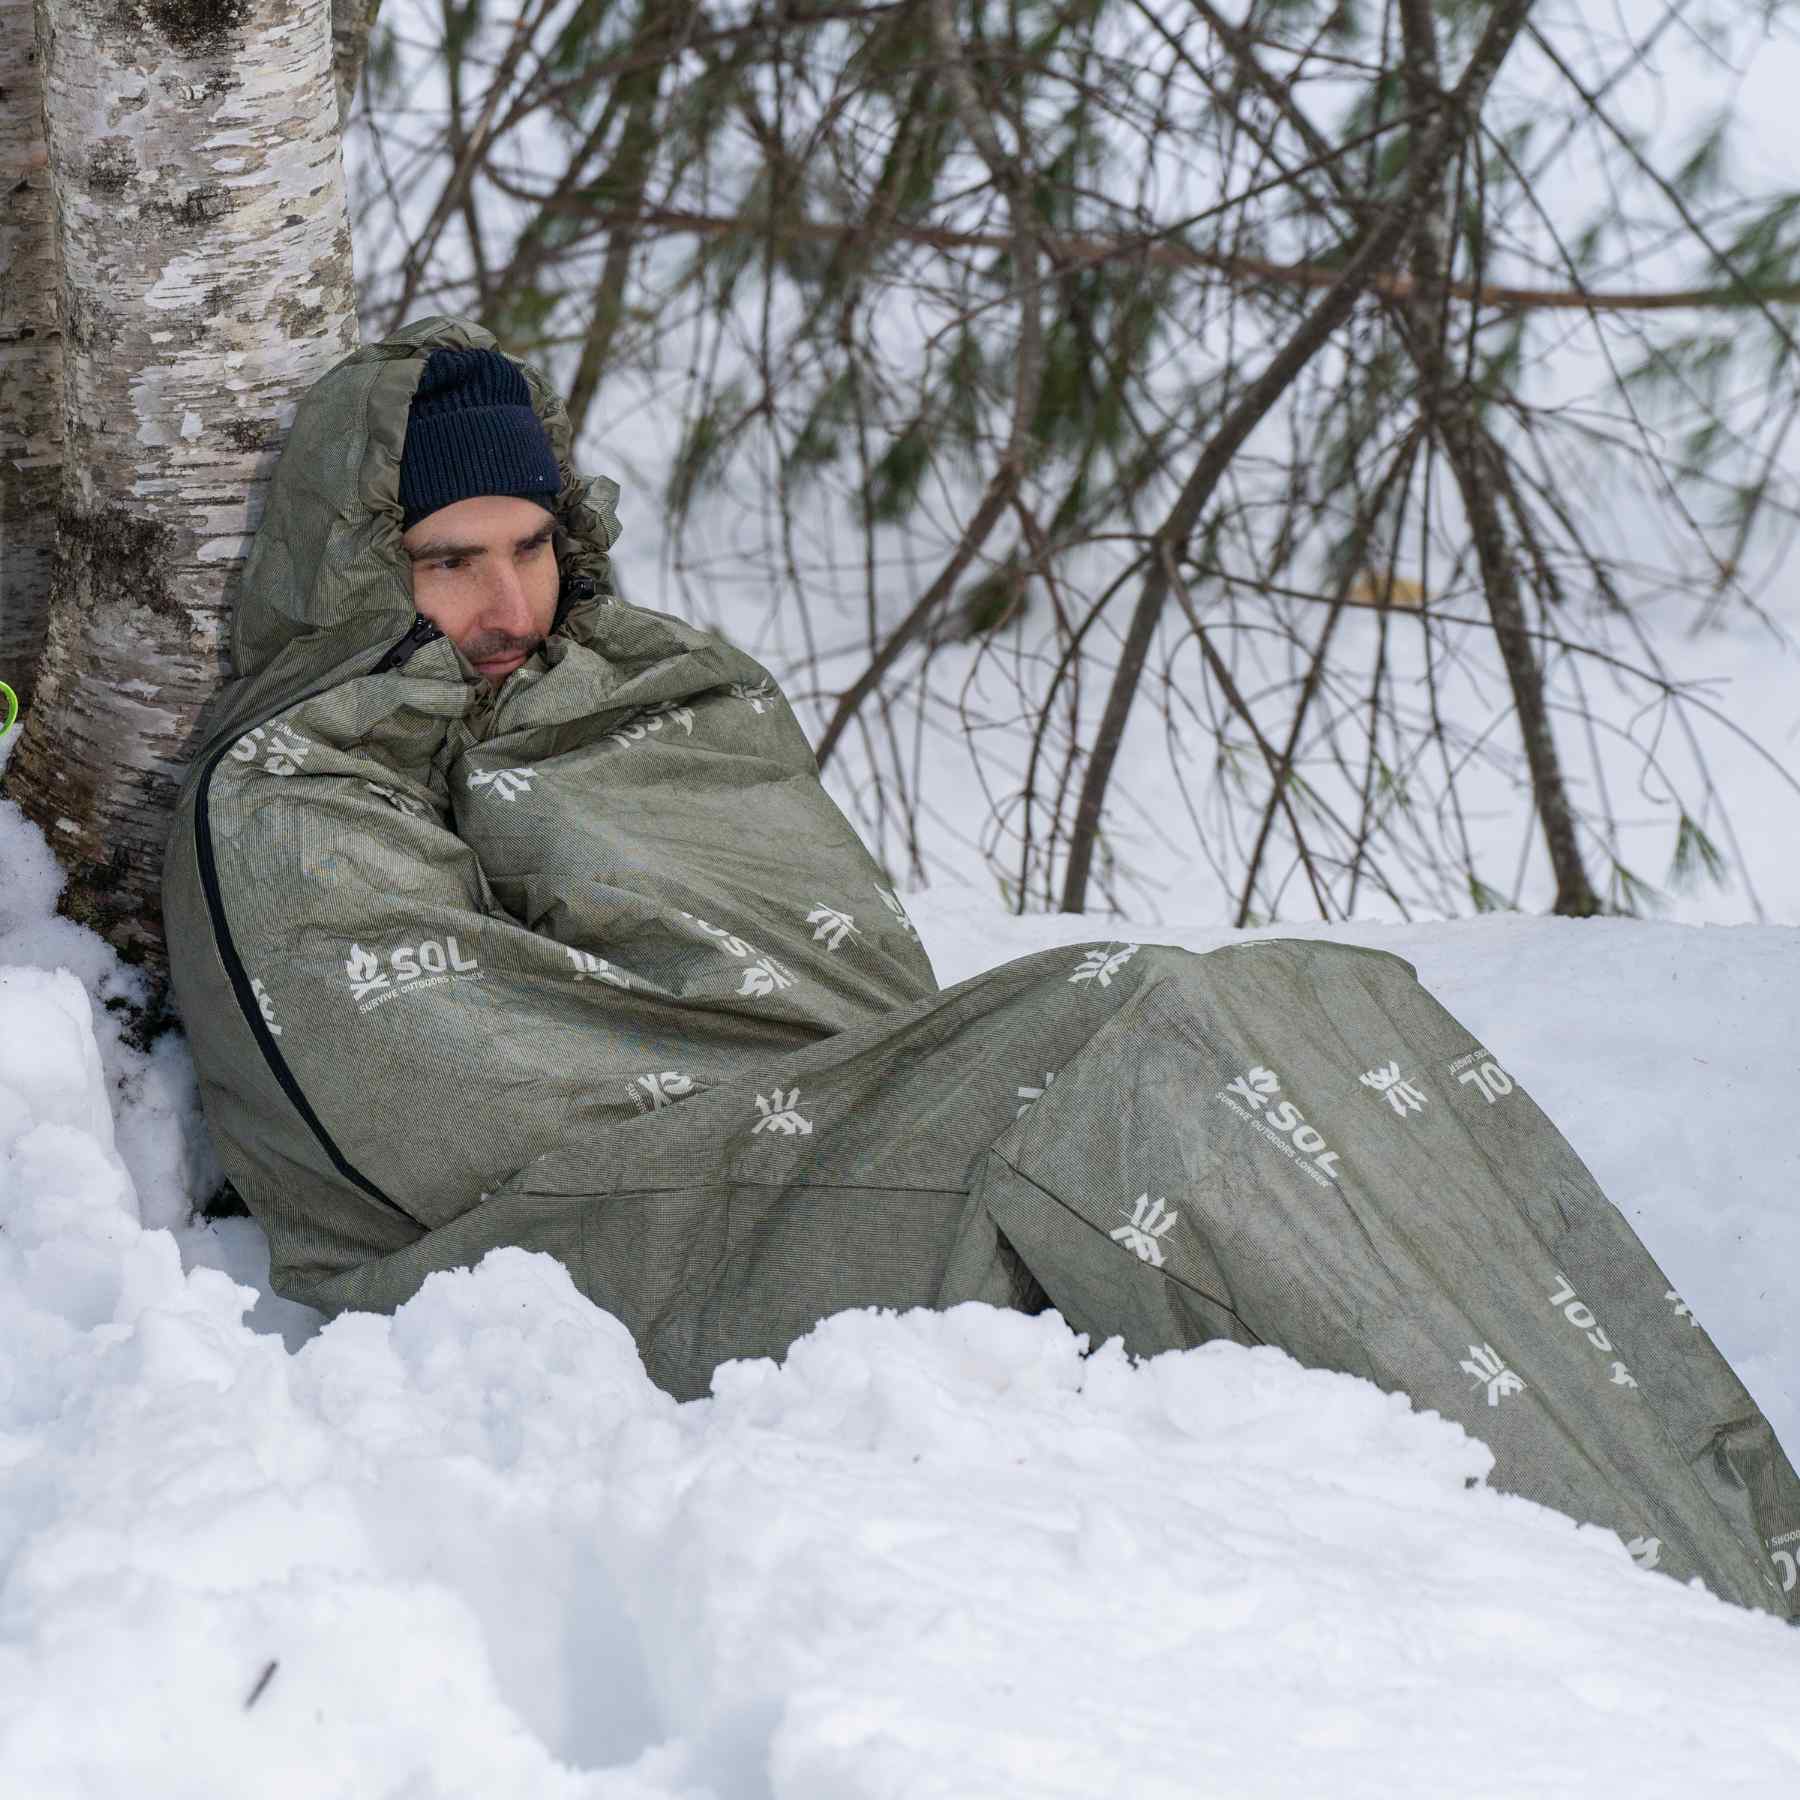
(327, 580)
(592, 964)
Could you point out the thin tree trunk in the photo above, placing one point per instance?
(1480, 480)
(30, 353)
(627, 177)
(464, 166)
(206, 283)
(1448, 406)
(1010, 175)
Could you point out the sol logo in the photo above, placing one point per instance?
(1283, 1119)
(410, 966)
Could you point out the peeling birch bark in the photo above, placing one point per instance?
(195, 157)
(30, 353)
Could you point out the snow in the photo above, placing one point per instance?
(470, 1550)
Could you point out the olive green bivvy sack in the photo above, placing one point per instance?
(593, 965)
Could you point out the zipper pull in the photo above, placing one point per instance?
(576, 589)
(419, 634)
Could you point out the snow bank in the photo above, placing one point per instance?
(469, 1550)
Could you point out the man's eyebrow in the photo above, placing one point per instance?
(433, 548)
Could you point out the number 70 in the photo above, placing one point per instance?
(1490, 1078)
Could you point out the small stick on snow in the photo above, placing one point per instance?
(262, 1681)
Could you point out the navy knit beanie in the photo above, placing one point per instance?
(471, 431)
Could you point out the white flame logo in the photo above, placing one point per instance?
(364, 971)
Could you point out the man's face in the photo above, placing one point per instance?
(484, 573)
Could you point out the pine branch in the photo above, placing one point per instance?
(1074, 252)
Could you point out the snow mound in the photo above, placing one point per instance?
(50, 1070)
(469, 1550)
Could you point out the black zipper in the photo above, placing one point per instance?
(421, 633)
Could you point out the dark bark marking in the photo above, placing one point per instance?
(252, 436)
(305, 320)
(196, 208)
(198, 27)
(113, 167)
(115, 551)
(91, 901)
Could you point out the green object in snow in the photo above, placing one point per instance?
(590, 964)
(9, 701)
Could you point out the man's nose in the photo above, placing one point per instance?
(506, 606)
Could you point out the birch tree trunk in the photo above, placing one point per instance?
(30, 353)
(195, 159)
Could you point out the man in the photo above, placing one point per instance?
(502, 912)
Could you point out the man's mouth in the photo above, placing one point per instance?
(493, 667)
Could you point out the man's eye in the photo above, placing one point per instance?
(452, 562)
(533, 548)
